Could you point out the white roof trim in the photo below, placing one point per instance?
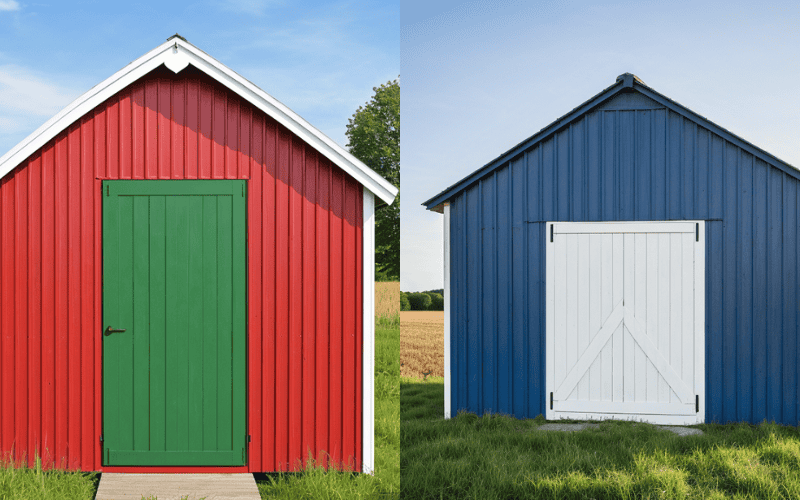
(176, 54)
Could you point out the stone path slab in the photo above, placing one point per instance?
(567, 427)
(680, 431)
(124, 486)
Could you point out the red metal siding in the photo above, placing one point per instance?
(304, 273)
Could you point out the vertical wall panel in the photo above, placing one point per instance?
(20, 411)
(790, 300)
(642, 170)
(269, 304)
(34, 310)
(503, 247)
(255, 292)
(489, 295)
(630, 164)
(774, 334)
(755, 298)
(304, 313)
(517, 302)
(730, 292)
(322, 309)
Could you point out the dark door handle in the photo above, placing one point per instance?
(110, 330)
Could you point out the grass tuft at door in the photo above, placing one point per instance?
(20, 482)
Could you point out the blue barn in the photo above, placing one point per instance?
(631, 260)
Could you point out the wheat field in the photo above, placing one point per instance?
(387, 302)
(421, 344)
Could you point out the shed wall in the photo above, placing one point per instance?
(304, 273)
(616, 165)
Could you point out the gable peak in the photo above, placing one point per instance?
(628, 79)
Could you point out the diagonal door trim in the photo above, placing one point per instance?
(639, 334)
(590, 354)
(623, 314)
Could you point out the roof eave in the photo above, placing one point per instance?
(176, 54)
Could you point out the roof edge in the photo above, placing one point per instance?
(629, 83)
(176, 53)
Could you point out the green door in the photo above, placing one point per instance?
(174, 280)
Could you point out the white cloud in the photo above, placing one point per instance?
(9, 5)
(25, 92)
(27, 100)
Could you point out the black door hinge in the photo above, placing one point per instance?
(696, 231)
(551, 233)
(697, 403)
(101, 438)
(551, 400)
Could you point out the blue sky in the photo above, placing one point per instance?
(320, 58)
(481, 76)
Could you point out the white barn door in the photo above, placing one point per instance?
(626, 321)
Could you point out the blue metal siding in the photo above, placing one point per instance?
(618, 164)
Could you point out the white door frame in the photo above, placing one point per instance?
(658, 414)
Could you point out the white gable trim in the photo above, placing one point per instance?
(176, 54)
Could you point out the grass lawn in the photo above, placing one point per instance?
(498, 457)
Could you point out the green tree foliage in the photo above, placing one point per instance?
(373, 135)
(437, 302)
(405, 305)
(419, 301)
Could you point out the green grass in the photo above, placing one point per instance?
(316, 483)
(18, 483)
(498, 457)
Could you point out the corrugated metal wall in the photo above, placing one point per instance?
(304, 272)
(614, 163)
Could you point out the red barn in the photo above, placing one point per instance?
(186, 281)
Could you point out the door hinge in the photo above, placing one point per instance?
(697, 403)
(551, 233)
(696, 231)
(101, 438)
(249, 438)
(551, 400)
(106, 189)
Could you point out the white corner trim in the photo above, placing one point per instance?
(176, 54)
(368, 363)
(448, 378)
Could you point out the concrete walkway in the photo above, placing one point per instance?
(123, 486)
(680, 431)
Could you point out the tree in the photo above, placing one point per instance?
(419, 301)
(373, 135)
(437, 302)
(405, 305)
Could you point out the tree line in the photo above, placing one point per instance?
(431, 300)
